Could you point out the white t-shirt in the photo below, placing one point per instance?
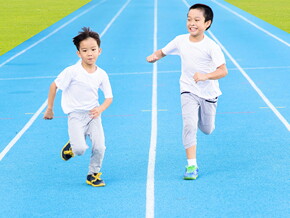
(80, 88)
(203, 57)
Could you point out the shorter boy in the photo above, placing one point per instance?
(79, 84)
(203, 63)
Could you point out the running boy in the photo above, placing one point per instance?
(79, 84)
(203, 63)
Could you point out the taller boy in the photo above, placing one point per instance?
(203, 63)
(80, 100)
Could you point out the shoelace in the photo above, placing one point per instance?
(190, 169)
(97, 177)
(69, 152)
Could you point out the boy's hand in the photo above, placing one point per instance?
(48, 115)
(96, 112)
(152, 58)
(199, 77)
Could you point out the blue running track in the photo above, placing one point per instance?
(244, 164)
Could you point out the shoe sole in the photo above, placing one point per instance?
(190, 178)
(90, 183)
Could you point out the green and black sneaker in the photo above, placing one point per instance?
(95, 180)
(66, 152)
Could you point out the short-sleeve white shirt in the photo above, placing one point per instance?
(80, 88)
(203, 57)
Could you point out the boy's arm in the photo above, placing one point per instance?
(98, 110)
(48, 115)
(157, 55)
(219, 73)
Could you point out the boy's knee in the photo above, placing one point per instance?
(207, 129)
(79, 150)
(99, 149)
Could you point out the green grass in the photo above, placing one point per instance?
(22, 19)
(275, 12)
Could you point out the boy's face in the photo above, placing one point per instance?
(196, 24)
(89, 51)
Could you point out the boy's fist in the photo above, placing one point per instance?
(152, 58)
(48, 115)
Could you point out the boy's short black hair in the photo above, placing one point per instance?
(84, 34)
(207, 12)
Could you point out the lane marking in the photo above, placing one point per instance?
(150, 192)
(22, 131)
(50, 34)
(276, 107)
(152, 110)
(34, 117)
(252, 23)
(141, 73)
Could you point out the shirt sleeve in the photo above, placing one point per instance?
(217, 56)
(171, 48)
(106, 87)
(63, 80)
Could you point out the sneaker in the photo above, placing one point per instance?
(95, 180)
(191, 172)
(66, 152)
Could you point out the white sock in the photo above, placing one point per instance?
(191, 162)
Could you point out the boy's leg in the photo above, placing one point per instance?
(97, 137)
(76, 130)
(190, 108)
(191, 152)
(207, 115)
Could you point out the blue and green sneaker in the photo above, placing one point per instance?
(191, 172)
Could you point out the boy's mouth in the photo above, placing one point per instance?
(192, 29)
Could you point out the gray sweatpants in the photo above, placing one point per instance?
(196, 113)
(81, 125)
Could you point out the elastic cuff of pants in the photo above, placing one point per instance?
(189, 145)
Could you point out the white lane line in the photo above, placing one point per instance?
(265, 99)
(150, 190)
(26, 78)
(114, 18)
(162, 110)
(141, 73)
(252, 23)
(22, 131)
(34, 117)
(50, 34)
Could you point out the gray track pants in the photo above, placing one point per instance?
(196, 113)
(81, 125)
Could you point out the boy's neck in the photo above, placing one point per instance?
(89, 68)
(196, 38)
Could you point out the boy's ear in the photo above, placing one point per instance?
(207, 23)
(78, 53)
(100, 51)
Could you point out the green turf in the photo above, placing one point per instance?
(22, 19)
(275, 12)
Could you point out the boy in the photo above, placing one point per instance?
(203, 63)
(79, 84)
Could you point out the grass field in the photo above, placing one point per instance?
(22, 19)
(275, 12)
